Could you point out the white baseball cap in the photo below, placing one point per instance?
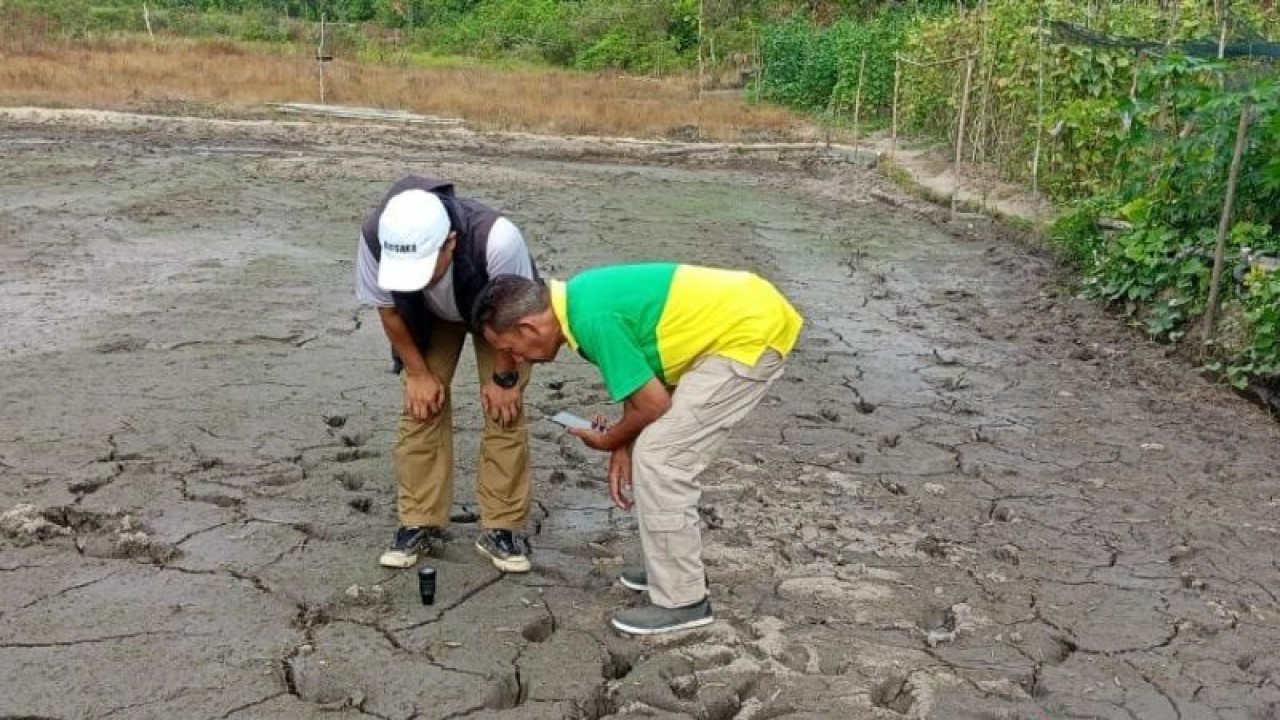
(412, 229)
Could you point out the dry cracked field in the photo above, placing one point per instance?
(973, 496)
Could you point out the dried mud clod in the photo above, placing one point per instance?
(101, 534)
(25, 524)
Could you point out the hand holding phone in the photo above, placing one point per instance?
(570, 420)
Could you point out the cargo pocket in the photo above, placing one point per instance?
(739, 388)
(673, 538)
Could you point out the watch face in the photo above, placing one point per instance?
(506, 379)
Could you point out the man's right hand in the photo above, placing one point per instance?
(423, 395)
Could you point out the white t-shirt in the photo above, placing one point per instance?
(506, 254)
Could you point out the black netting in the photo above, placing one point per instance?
(1077, 35)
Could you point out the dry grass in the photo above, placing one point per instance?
(231, 79)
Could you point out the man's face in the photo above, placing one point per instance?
(528, 341)
(444, 259)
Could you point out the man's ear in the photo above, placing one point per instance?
(528, 326)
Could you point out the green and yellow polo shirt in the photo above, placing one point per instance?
(637, 322)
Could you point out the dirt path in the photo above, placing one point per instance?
(972, 497)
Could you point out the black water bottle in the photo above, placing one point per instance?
(427, 585)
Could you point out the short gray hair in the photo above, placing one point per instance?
(508, 299)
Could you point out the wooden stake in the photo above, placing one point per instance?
(700, 63)
(986, 71)
(897, 84)
(964, 110)
(146, 18)
(1174, 21)
(1035, 157)
(320, 57)
(757, 81)
(1224, 224)
(857, 96)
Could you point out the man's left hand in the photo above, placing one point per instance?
(501, 405)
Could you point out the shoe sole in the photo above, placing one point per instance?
(687, 625)
(631, 585)
(398, 560)
(509, 566)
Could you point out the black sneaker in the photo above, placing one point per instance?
(634, 578)
(508, 551)
(409, 541)
(652, 620)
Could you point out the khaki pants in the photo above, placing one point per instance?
(666, 459)
(424, 450)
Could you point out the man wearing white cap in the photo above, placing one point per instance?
(424, 255)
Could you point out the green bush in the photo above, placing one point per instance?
(634, 35)
(1075, 235)
(800, 64)
(879, 39)
(109, 19)
(1260, 355)
(1081, 83)
(814, 68)
(1173, 163)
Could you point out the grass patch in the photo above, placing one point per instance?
(131, 73)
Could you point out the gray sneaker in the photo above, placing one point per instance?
(652, 620)
(634, 578)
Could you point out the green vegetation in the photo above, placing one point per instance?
(1112, 109)
(1107, 125)
(817, 68)
(1169, 183)
(634, 35)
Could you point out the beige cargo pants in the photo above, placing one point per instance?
(666, 459)
(424, 449)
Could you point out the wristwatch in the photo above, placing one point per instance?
(506, 379)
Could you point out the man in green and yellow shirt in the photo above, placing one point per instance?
(689, 351)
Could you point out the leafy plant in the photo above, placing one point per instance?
(1173, 164)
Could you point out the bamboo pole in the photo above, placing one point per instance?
(146, 18)
(700, 61)
(1174, 21)
(986, 72)
(964, 109)
(897, 84)
(986, 67)
(857, 96)
(1224, 224)
(1035, 157)
(320, 58)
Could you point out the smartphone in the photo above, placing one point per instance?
(570, 420)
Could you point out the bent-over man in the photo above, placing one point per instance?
(423, 258)
(689, 351)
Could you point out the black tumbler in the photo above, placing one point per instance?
(427, 585)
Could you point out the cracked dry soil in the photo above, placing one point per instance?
(973, 496)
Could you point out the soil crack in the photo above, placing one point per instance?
(249, 705)
(451, 606)
(103, 639)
